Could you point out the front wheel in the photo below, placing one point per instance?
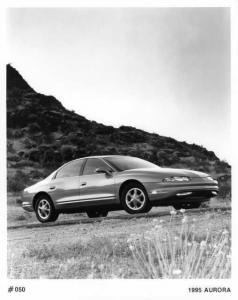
(45, 210)
(134, 199)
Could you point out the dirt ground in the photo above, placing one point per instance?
(38, 250)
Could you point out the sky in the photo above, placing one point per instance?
(162, 70)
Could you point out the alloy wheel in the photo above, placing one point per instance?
(135, 198)
(44, 209)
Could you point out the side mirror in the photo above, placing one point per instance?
(103, 171)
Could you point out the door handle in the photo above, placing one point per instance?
(52, 187)
(83, 183)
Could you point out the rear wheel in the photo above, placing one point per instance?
(45, 210)
(134, 199)
(96, 214)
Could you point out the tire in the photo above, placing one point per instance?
(190, 205)
(96, 214)
(45, 210)
(148, 208)
(134, 199)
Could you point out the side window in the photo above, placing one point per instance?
(70, 170)
(94, 163)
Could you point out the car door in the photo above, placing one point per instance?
(65, 187)
(97, 188)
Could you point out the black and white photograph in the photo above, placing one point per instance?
(118, 138)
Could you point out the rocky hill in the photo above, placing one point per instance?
(42, 134)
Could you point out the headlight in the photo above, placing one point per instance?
(176, 179)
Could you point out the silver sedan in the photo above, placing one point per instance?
(99, 184)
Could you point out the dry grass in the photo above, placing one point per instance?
(182, 245)
(184, 253)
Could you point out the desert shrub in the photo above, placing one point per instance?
(102, 129)
(147, 155)
(24, 163)
(131, 137)
(36, 174)
(224, 186)
(67, 152)
(34, 127)
(174, 159)
(32, 117)
(13, 158)
(57, 156)
(10, 147)
(18, 182)
(48, 156)
(71, 138)
(163, 158)
(33, 155)
(21, 153)
(10, 133)
(112, 150)
(29, 144)
(221, 167)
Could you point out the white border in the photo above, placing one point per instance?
(118, 289)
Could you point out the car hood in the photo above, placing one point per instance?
(166, 172)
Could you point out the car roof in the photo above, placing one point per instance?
(102, 156)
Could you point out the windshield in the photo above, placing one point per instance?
(122, 163)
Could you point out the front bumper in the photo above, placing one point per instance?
(28, 207)
(184, 192)
(27, 202)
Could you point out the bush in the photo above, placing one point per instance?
(18, 182)
(24, 163)
(37, 174)
(13, 157)
(224, 186)
(48, 156)
(33, 154)
(10, 147)
(34, 127)
(67, 152)
(29, 144)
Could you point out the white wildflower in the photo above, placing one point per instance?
(182, 210)
(176, 272)
(203, 244)
(157, 227)
(225, 231)
(131, 247)
(173, 212)
(184, 219)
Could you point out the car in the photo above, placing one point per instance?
(99, 184)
